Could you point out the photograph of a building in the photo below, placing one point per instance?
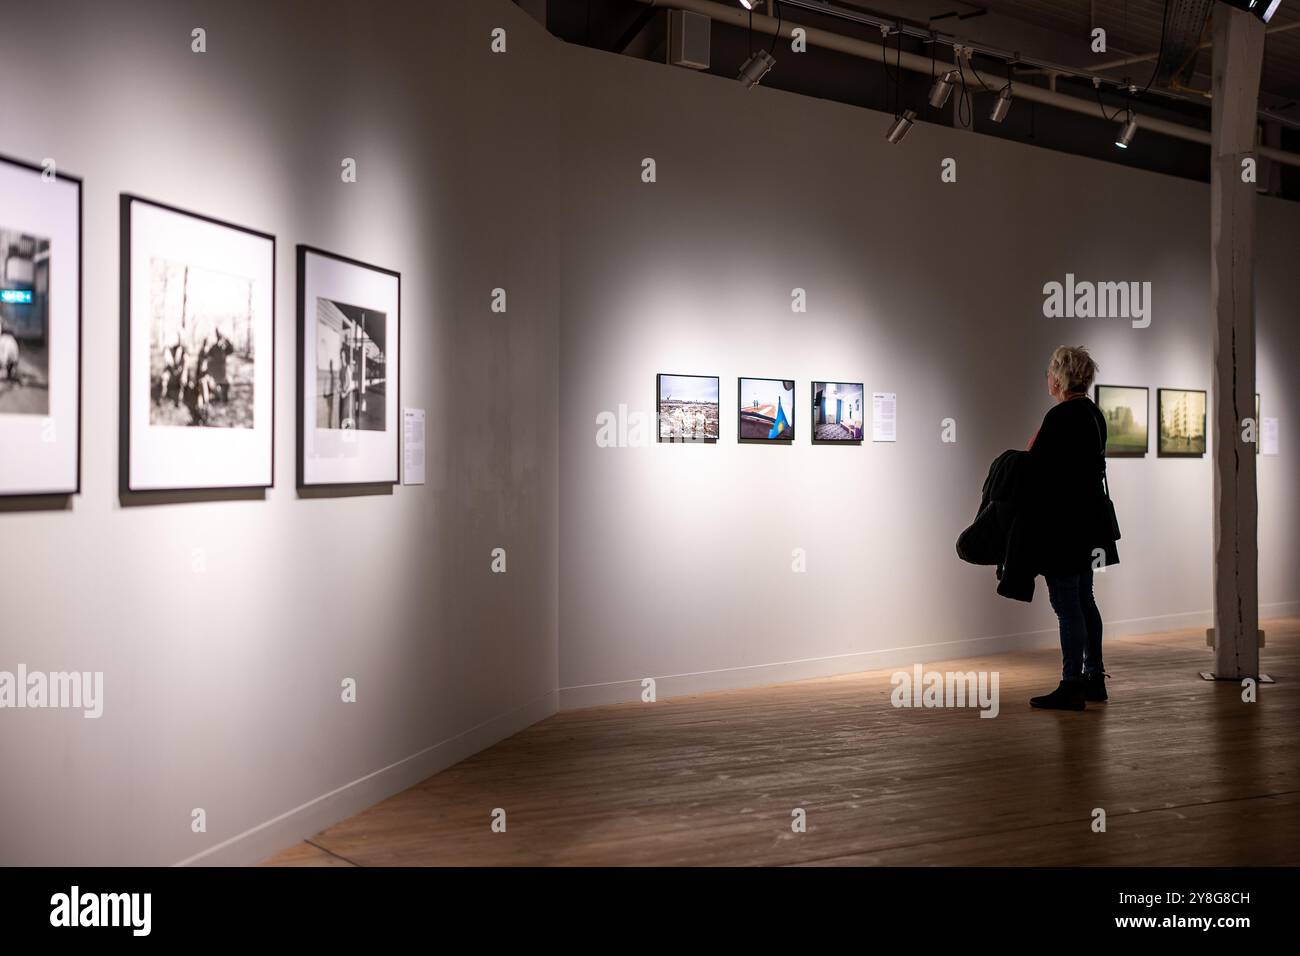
(1182, 422)
(351, 368)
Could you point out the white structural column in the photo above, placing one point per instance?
(1238, 53)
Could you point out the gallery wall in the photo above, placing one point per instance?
(224, 627)
(677, 560)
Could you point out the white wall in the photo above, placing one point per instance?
(222, 690)
(676, 560)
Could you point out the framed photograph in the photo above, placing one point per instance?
(766, 410)
(1125, 409)
(349, 362)
(40, 331)
(837, 411)
(688, 407)
(1182, 423)
(198, 351)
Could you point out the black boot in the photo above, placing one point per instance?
(1067, 696)
(1094, 688)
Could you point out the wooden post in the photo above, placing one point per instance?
(1238, 53)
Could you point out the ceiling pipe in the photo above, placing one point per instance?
(1029, 65)
(1205, 45)
(828, 40)
(1026, 65)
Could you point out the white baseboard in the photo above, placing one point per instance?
(1280, 609)
(756, 675)
(279, 833)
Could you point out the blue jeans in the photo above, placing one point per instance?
(1076, 609)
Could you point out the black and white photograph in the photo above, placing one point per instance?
(202, 352)
(349, 325)
(24, 323)
(351, 370)
(198, 334)
(40, 330)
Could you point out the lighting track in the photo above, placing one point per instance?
(928, 65)
(1007, 57)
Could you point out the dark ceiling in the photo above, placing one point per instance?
(1132, 27)
(1056, 32)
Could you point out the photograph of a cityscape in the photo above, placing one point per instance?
(688, 408)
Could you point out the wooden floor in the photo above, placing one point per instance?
(1186, 772)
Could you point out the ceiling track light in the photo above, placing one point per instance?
(755, 68)
(1002, 105)
(901, 126)
(942, 89)
(750, 4)
(1127, 131)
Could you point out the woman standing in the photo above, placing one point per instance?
(1074, 531)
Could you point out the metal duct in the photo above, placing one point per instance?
(1184, 30)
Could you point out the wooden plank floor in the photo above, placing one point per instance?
(1187, 774)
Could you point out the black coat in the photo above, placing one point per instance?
(999, 536)
(1071, 517)
(1045, 511)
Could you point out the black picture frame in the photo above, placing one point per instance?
(1160, 420)
(794, 399)
(812, 413)
(1146, 448)
(79, 184)
(302, 251)
(659, 377)
(1259, 423)
(127, 202)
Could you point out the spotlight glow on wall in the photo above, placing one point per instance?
(1002, 105)
(901, 126)
(1127, 131)
(942, 89)
(755, 68)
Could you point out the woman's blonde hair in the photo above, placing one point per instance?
(1073, 368)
